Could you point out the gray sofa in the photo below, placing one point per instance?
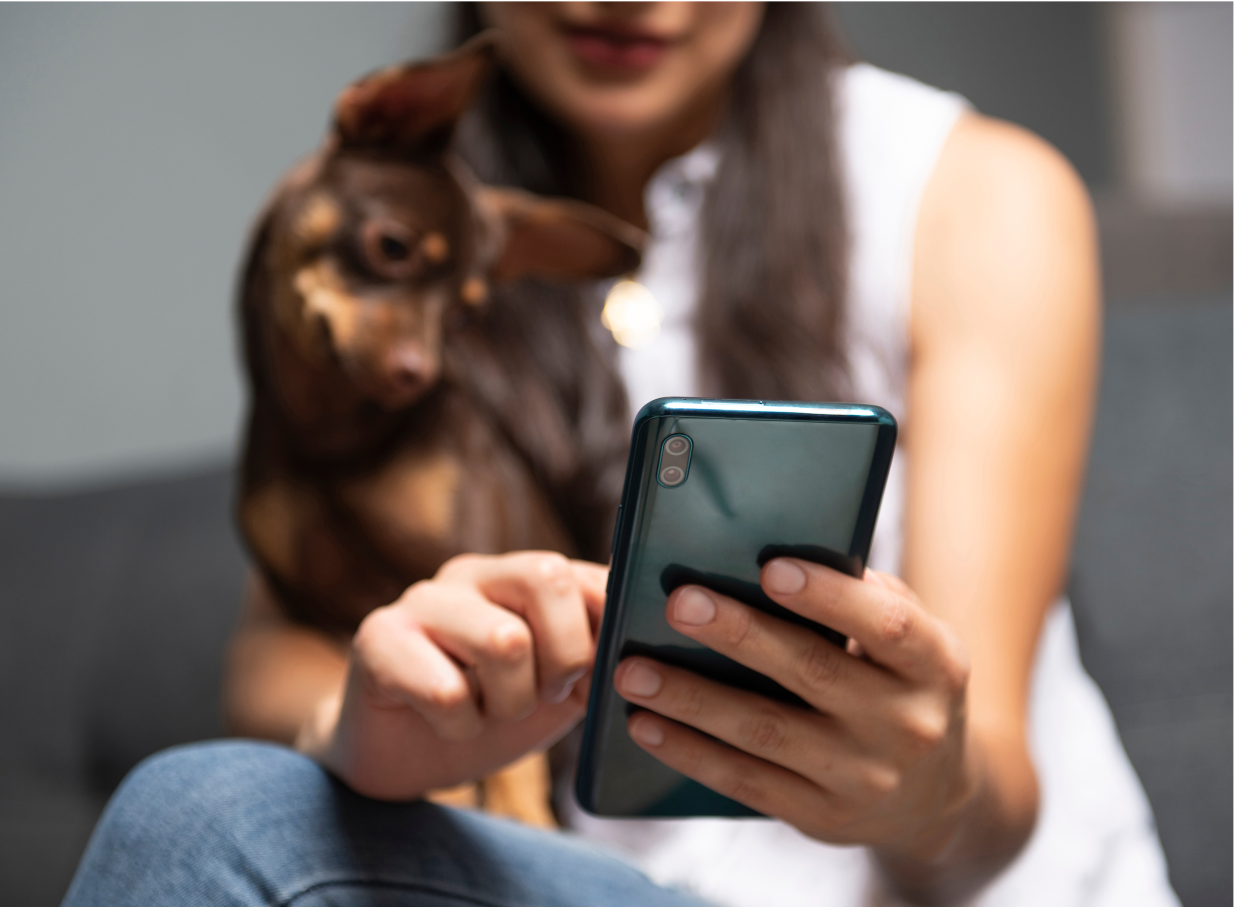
(115, 606)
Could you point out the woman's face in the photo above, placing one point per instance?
(619, 69)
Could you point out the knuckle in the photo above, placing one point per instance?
(509, 641)
(552, 564)
(689, 702)
(447, 697)
(691, 762)
(880, 782)
(765, 731)
(897, 620)
(741, 785)
(820, 665)
(740, 628)
(554, 570)
(925, 729)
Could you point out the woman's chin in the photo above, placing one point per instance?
(621, 113)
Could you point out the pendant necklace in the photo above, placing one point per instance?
(631, 313)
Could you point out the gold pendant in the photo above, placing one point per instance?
(631, 313)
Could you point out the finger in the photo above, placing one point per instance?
(769, 789)
(491, 640)
(820, 672)
(804, 742)
(593, 581)
(540, 586)
(399, 666)
(893, 629)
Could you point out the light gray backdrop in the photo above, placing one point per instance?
(136, 141)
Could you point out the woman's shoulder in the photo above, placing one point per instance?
(863, 88)
(887, 116)
(889, 131)
(1004, 219)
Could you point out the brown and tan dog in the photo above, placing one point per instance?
(413, 394)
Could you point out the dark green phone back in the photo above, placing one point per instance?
(764, 479)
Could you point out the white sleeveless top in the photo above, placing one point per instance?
(1094, 843)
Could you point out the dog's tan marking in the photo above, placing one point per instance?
(435, 248)
(474, 291)
(414, 497)
(271, 516)
(317, 221)
(464, 796)
(324, 294)
(431, 486)
(521, 791)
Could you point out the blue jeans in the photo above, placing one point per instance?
(249, 823)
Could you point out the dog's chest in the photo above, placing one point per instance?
(462, 489)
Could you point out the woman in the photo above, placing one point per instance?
(819, 231)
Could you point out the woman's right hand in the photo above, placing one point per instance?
(466, 672)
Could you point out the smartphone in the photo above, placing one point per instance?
(714, 489)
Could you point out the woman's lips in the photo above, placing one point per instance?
(617, 51)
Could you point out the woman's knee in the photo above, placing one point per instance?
(203, 788)
(184, 821)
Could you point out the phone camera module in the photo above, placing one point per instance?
(674, 460)
(672, 475)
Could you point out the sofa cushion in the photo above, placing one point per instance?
(1151, 571)
(115, 607)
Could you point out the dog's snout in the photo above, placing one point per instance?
(410, 370)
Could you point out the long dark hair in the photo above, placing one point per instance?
(770, 317)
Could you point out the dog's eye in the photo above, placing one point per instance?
(393, 249)
(390, 248)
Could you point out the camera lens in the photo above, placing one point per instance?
(672, 475)
(676, 446)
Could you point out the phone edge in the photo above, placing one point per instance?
(700, 407)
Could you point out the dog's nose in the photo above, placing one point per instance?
(409, 371)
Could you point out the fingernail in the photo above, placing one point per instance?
(694, 607)
(640, 680)
(559, 693)
(785, 577)
(646, 731)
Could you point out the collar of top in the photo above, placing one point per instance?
(674, 196)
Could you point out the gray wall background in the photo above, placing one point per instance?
(136, 141)
(1041, 66)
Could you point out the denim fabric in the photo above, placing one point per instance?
(241, 823)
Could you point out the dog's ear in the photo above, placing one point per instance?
(557, 239)
(413, 108)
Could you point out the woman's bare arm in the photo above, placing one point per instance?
(1005, 333)
(279, 672)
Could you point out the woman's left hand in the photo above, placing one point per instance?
(879, 759)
